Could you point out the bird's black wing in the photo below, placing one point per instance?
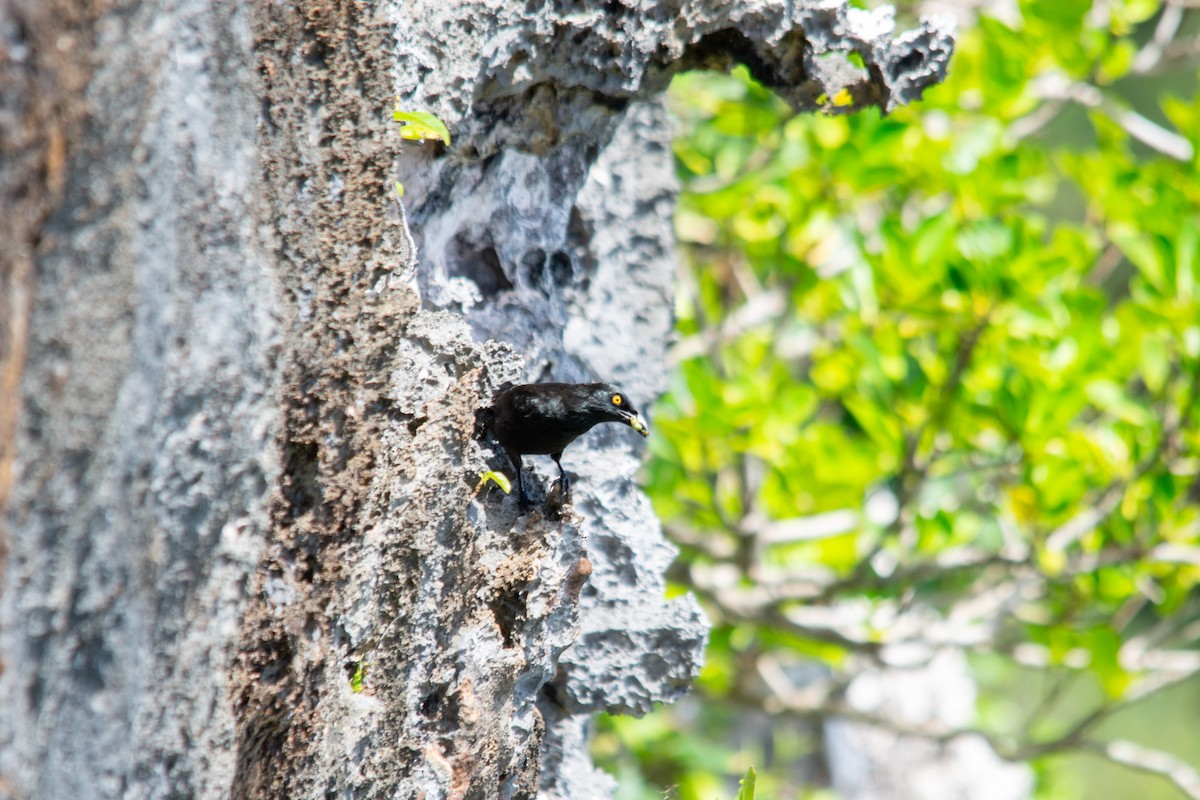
(536, 418)
(522, 402)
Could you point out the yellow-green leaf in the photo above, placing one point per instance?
(498, 478)
(420, 125)
(359, 677)
(746, 786)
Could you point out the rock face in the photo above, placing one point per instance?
(239, 382)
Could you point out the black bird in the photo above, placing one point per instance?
(543, 418)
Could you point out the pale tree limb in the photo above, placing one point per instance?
(1151, 55)
(1149, 760)
(822, 700)
(1058, 89)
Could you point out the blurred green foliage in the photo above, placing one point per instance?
(928, 357)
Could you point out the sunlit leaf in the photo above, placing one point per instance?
(746, 786)
(498, 478)
(421, 126)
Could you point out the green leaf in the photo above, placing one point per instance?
(932, 238)
(1109, 396)
(984, 241)
(359, 677)
(746, 785)
(1117, 61)
(498, 478)
(1141, 250)
(1128, 13)
(1104, 647)
(420, 126)
(1185, 260)
(1066, 15)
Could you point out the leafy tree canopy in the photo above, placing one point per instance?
(938, 382)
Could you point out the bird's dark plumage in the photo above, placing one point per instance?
(543, 418)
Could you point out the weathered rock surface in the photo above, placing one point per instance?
(243, 404)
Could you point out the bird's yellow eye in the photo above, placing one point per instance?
(617, 400)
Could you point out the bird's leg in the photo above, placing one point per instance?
(522, 499)
(564, 481)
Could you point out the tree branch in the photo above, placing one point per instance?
(1154, 762)
(1058, 89)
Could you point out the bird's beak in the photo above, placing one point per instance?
(638, 425)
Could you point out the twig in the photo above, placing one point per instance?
(755, 311)
(1152, 53)
(1035, 120)
(1074, 737)
(1181, 50)
(714, 545)
(1108, 261)
(1154, 684)
(814, 527)
(962, 359)
(820, 706)
(1056, 87)
(1086, 521)
(1149, 133)
(822, 700)
(1062, 679)
(1155, 762)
